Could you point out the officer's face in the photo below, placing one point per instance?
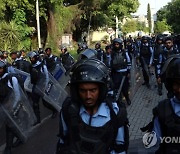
(13, 56)
(89, 93)
(169, 44)
(176, 88)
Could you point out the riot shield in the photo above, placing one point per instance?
(25, 77)
(87, 54)
(59, 73)
(19, 114)
(1, 117)
(51, 91)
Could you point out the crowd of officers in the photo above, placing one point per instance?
(100, 74)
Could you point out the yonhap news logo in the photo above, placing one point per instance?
(168, 139)
(150, 139)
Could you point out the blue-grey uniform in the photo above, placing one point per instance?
(9, 83)
(146, 59)
(98, 120)
(120, 67)
(37, 71)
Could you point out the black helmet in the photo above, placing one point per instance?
(41, 51)
(171, 70)
(34, 54)
(118, 40)
(145, 39)
(89, 70)
(4, 66)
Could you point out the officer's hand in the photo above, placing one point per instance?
(159, 80)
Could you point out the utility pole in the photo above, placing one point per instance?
(117, 30)
(89, 26)
(38, 23)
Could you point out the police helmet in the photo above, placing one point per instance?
(171, 71)
(4, 66)
(33, 54)
(160, 37)
(63, 47)
(41, 51)
(118, 40)
(92, 71)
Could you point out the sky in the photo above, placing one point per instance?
(155, 5)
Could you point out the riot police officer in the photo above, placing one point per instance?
(82, 128)
(7, 84)
(66, 58)
(146, 59)
(100, 52)
(166, 120)
(21, 63)
(120, 68)
(37, 70)
(50, 59)
(158, 50)
(170, 49)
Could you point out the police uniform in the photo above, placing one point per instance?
(83, 133)
(39, 70)
(7, 84)
(146, 59)
(120, 67)
(166, 115)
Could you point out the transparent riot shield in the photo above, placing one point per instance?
(1, 117)
(51, 91)
(26, 78)
(87, 54)
(59, 73)
(19, 114)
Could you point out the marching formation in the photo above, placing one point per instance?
(89, 93)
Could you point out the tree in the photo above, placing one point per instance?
(149, 18)
(161, 26)
(171, 14)
(129, 26)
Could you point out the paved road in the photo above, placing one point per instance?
(43, 140)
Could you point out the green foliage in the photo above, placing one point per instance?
(141, 26)
(161, 26)
(171, 14)
(9, 36)
(129, 26)
(149, 18)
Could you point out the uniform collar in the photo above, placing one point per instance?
(37, 63)
(102, 110)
